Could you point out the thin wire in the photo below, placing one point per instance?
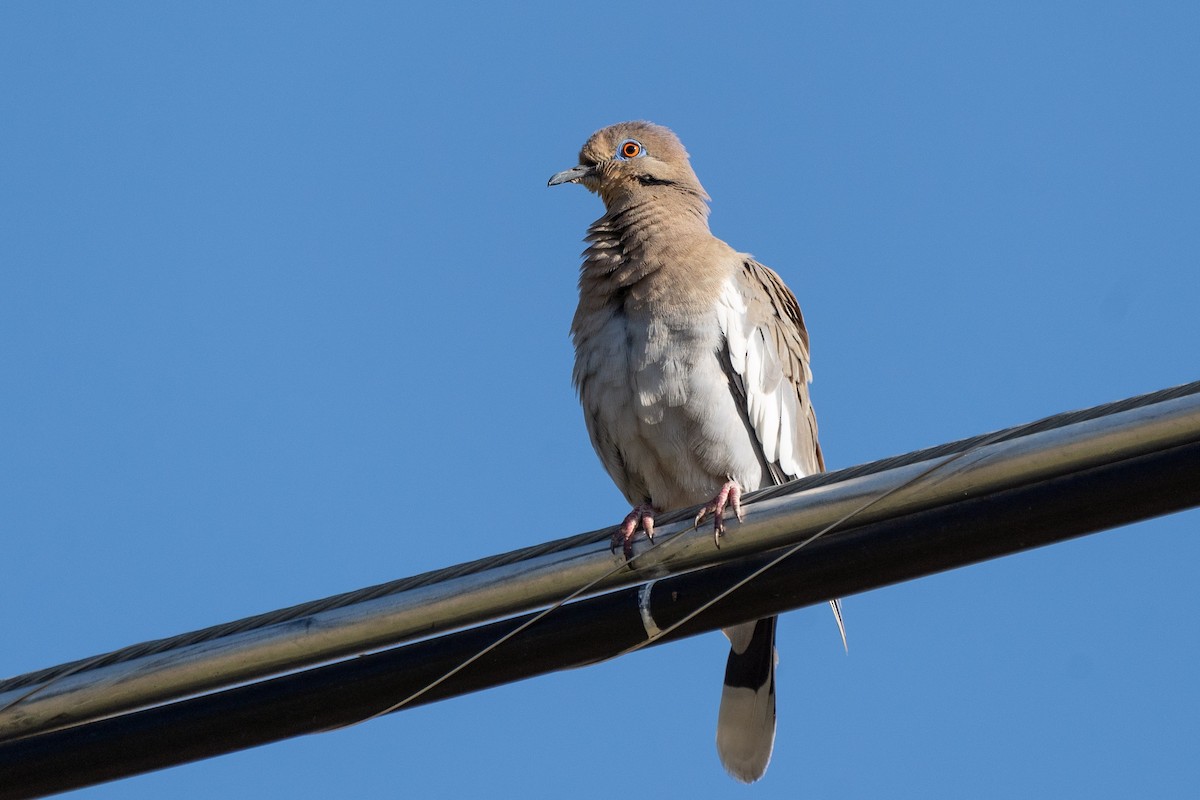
(719, 597)
(627, 564)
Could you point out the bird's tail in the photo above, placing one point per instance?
(746, 721)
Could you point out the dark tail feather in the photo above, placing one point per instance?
(746, 721)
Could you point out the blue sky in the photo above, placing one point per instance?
(283, 313)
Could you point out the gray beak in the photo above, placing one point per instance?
(572, 175)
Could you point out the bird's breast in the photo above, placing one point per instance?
(653, 391)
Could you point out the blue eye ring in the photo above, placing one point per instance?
(630, 148)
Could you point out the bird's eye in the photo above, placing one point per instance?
(629, 148)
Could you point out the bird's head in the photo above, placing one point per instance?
(632, 160)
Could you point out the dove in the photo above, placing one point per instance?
(692, 369)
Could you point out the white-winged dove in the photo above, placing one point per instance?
(692, 366)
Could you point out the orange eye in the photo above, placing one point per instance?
(629, 149)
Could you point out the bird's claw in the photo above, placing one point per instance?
(730, 496)
(641, 517)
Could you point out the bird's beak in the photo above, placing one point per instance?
(572, 175)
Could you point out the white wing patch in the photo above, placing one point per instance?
(773, 406)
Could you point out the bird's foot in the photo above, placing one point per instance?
(730, 496)
(641, 517)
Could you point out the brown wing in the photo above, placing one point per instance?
(766, 355)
